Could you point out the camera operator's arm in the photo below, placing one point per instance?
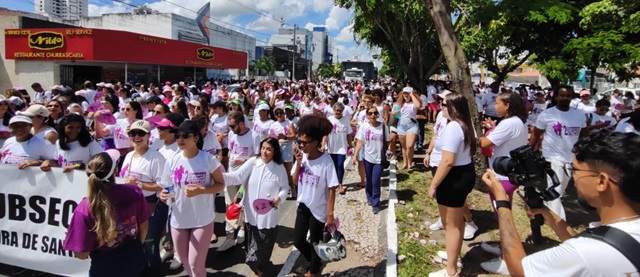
(512, 249)
(535, 138)
(559, 226)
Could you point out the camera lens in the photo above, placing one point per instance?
(503, 165)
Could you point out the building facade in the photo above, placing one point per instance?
(323, 45)
(62, 9)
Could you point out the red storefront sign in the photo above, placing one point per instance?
(78, 44)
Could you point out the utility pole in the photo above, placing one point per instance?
(295, 46)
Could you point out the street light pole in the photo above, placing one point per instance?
(293, 69)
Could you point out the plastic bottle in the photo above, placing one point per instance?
(171, 200)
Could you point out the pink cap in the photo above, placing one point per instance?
(166, 123)
(584, 92)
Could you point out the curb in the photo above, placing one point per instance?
(392, 227)
(293, 256)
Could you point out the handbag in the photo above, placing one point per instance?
(235, 209)
(383, 154)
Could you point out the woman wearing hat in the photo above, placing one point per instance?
(285, 132)
(143, 167)
(110, 224)
(23, 148)
(42, 126)
(586, 104)
(193, 177)
(262, 125)
(5, 115)
(407, 129)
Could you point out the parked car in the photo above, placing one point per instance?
(609, 92)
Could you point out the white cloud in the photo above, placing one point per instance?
(343, 52)
(320, 6)
(95, 10)
(346, 34)
(263, 24)
(309, 26)
(337, 17)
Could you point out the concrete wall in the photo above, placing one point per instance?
(8, 76)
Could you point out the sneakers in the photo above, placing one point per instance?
(442, 273)
(164, 254)
(496, 266)
(228, 243)
(469, 230)
(175, 263)
(376, 210)
(437, 226)
(491, 249)
(443, 256)
(240, 236)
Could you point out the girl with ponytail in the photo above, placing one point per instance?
(109, 224)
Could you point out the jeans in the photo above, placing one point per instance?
(157, 225)
(421, 124)
(373, 173)
(306, 222)
(338, 161)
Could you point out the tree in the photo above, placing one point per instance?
(266, 64)
(326, 70)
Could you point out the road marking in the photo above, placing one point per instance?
(392, 226)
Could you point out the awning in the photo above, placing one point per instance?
(81, 44)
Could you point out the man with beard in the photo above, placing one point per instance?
(562, 126)
(605, 169)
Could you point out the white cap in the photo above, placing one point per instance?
(263, 107)
(20, 118)
(407, 89)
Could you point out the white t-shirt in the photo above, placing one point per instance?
(436, 154)
(197, 211)
(616, 106)
(242, 147)
(627, 105)
(594, 119)
(154, 140)
(408, 110)
(625, 127)
(264, 181)
(431, 92)
(561, 132)
(583, 257)
(146, 168)
(3, 129)
(305, 110)
(537, 109)
(453, 141)
(337, 140)
(76, 153)
(211, 144)
(509, 134)
(120, 136)
(314, 180)
(587, 108)
(167, 151)
(489, 103)
(278, 128)
(44, 132)
(219, 125)
(34, 149)
(261, 128)
(372, 140)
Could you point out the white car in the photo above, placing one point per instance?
(623, 91)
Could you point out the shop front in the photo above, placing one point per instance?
(73, 55)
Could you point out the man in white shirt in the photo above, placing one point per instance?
(605, 170)
(42, 96)
(489, 102)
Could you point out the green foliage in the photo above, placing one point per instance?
(265, 64)
(327, 70)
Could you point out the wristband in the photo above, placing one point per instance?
(501, 204)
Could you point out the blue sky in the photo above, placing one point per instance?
(254, 17)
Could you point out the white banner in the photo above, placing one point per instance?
(35, 210)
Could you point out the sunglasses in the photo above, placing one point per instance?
(53, 106)
(138, 133)
(183, 135)
(303, 143)
(444, 104)
(373, 113)
(128, 109)
(157, 112)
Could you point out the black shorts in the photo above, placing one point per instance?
(455, 187)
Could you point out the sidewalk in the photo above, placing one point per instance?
(364, 231)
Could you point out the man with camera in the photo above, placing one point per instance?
(605, 169)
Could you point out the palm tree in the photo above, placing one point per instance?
(326, 70)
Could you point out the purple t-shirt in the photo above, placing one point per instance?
(130, 208)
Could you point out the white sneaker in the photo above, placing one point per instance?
(175, 263)
(226, 245)
(470, 230)
(437, 226)
(164, 254)
(442, 273)
(240, 236)
(443, 255)
(496, 266)
(491, 249)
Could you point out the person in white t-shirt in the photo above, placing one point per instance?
(562, 126)
(539, 105)
(262, 124)
(599, 118)
(454, 177)
(432, 105)
(75, 146)
(211, 143)
(586, 104)
(605, 169)
(372, 138)
(489, 101)
(284, 130)
(143, 167)
(190, 179)
(616, 104)
(630, 124)
(315, 176)
(25, 149)
(265, 177)
(409, 102)
(510, 134)
(339, 141)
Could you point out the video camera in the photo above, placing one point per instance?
(528, 168)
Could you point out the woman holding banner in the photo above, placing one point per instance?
(25, 149)
(75, 146)
(266, 182)
(110, 224)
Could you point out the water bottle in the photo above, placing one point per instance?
(172, 195)
(388, 154)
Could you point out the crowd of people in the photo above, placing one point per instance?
(186, 152)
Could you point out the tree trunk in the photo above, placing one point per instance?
(457, 64)
(593, 78)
